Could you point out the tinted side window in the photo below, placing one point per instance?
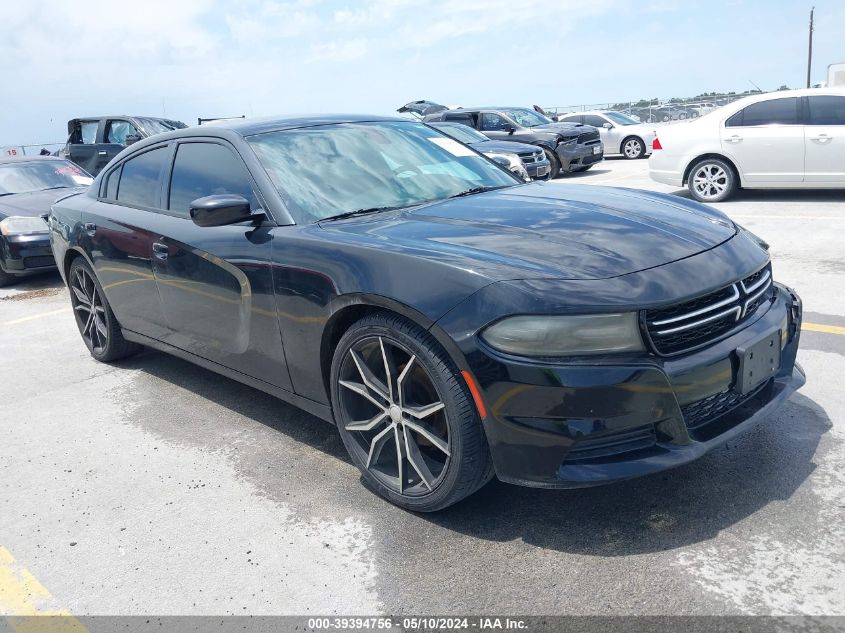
(827, 110)
(779, 111)
(592, 119)
(206, 169)
(572, 118)
(490, 121)
(139, 178)
(460, 117)
(110, 189)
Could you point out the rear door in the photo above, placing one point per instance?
(82, 144)
(824, 135)
(766, 141)
(120, 243)
(216, 283)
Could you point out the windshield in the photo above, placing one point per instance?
(619, 118)
(157, 126)
(527, 118)
(38, 175)
(461, 132)
(327, 170)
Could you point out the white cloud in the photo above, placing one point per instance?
(343, 51)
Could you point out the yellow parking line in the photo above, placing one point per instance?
(820, 327)
(21, 597)
(33, 317)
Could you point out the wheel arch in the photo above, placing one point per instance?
(628, 138)
(71, 254)
(716, 155)
(349, 309)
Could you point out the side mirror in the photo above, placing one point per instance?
(132, 138)
(509, 128)
(607, 126)
(220, 210)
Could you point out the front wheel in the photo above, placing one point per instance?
(6, 279)
(554, 164)
(405, 415)
(97, 324)
(711, 180)
(633, 148)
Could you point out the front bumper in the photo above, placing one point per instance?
(26, 254)
(538, 171)
(602, 420)
(579, 155)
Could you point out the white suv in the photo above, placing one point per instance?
(789, 139)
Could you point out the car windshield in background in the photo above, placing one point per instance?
(463, 133)
(38, 175)
(527, 118)
(620, 119)
(328, 170)
(158, 126)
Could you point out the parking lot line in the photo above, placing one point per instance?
(20, 598)
(32, 317)
(820, 327)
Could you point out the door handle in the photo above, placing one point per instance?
(823, 138)
(160, 250)
(102, 153)
(90, 228)
(736, 138)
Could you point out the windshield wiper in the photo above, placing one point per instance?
(56, 187)
(352, 214)
(475, 190)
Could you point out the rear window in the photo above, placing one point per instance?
(772, 112)
(827, 110)
(140, 177)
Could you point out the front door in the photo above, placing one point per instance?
(766, 141)
(216, 283)
(825, 140)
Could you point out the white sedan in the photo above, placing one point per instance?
(789, 139)
(620, 133)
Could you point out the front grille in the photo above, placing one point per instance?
(689, 325)
(588, 138)
(529, 158)
(613, 443)
(712, 407)
(38, 261)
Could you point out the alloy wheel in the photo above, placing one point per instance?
(90, 310)
(710, 181)
(633, 148)
(390, 406)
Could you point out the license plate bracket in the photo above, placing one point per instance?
(758, 362)
(597, 149)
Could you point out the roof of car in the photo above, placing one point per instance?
(247, 127)
(25, 159)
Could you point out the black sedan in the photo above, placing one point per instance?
(531, 158)
(454, 322)
(28, 186)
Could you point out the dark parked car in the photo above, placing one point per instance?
(28, 186)
(92, 142)
(570, 147)
(531, 157)
(452, 320)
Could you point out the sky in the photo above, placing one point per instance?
(205, 58)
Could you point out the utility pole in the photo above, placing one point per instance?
(810, 48)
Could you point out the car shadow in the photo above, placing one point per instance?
(41, 284)
(664, 511)
(581, 174)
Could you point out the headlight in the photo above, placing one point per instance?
(17, 224)
(566, 335)
(509, 161)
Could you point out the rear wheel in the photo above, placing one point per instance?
(405, 415)
(554, 164)
(711, 180)
(94, 317)
(633, 148)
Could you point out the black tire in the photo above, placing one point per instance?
(6, 279)
(633, 147)
(97, 324)
(380, 342)
(554, 164)
(712, 180)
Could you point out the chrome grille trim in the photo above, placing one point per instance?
(736, 310)
(695, 313)
(764, 278)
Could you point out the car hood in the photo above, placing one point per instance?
(546, 231)
(503, 146)
(563, 127)
(33, 203)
